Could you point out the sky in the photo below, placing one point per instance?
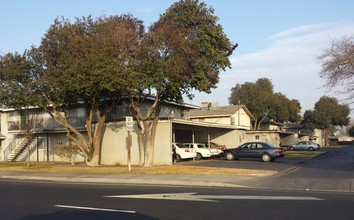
(277, 39)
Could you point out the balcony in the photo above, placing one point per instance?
(47, 125)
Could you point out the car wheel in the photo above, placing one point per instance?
(266, 157)
(199, 156)
(178, 158)
(311, 149)
(291, 148)
(230, 156)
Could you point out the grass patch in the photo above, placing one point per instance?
(168, 169)
(302, 154)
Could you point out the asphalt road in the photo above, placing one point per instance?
(331, 171)
(37, 201)
(320, 188)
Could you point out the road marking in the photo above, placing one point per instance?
(209, 198)
(93, 209)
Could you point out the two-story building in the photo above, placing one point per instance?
(178, 123)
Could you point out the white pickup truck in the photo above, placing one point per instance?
(202, 150)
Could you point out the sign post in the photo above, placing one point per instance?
(129, 125)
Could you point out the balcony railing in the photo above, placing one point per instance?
(48, 124)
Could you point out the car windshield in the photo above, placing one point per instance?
(182, 145)
(201, 146)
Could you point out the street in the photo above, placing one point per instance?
(317, 189)
(28, 200)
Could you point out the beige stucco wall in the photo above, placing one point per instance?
(240, 119)
(318, 133)
(269, 137)
(230, 139)
(114, 145)
(290, 139)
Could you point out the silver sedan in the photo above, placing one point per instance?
(304, 145)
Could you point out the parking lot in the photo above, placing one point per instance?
(291, 159)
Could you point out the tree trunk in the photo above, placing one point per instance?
(90, 146)
(148, 147)
(141, 146)
(326, 134)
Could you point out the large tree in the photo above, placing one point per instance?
(183, 51)
(94, 61)
(327, 114)
(338, 66)
(81, 62)
(262, 102)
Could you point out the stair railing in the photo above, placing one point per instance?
(12, 145)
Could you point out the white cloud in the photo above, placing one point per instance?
(289, 61)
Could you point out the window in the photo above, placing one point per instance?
(257, 137)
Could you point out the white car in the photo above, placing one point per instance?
(183, 151)
(203, 151)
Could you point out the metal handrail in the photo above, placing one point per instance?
(11, 146)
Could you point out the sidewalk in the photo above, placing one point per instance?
(143, 179)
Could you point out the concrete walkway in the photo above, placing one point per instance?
(144, 179)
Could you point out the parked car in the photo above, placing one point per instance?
(183, 151)
(203, 151)
(267, 152)
(304, 145)
(218, 147)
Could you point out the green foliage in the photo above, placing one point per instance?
(91, 60)
(261, 100)
(17, 79)
(82, 61)
(87, 59)
(351, 131)
(327, 113)
(183, 51)
(316, 119)
(338, 114)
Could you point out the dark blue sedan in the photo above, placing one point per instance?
(263, 150)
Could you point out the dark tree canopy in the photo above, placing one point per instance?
(17, 81)
(336, 113)
(183, 51)
(327, 114)
(90, 60)
(84, 61)
(261, 100)
(351, 131)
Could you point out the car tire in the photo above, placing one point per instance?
(199, 156)
(291, 148)
(266, 157)
(230, 156)
(311, 149)
(178, 158)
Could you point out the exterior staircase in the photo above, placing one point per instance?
(16, 148)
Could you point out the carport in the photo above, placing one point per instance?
(200, 132)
